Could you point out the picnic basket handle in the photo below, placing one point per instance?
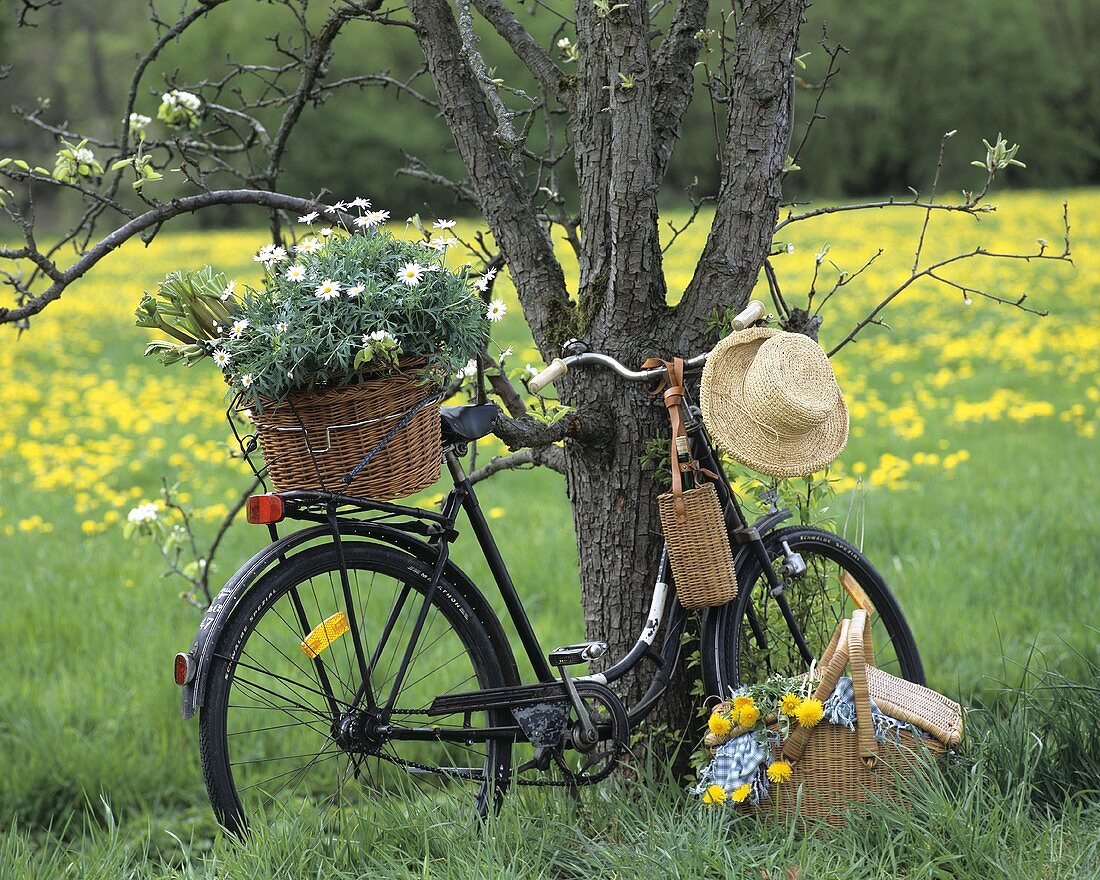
(827, 654)
(858, 662)
(838, 660)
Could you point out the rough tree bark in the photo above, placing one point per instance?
(625, 107)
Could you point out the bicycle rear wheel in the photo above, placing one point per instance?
(749, 639)
(282, 732)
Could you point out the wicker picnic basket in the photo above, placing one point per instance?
(832, 767)
(314, 441)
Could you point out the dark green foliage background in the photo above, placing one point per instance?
(915, 69)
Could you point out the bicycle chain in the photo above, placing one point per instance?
(582, 779)
(613, 759)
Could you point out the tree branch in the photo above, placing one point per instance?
(754, 155)
(538, 276)
(541, 65)
(674, 77)
(552, 457)
(528, 432)
(150, 220)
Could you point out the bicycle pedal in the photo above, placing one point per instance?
(582, 652)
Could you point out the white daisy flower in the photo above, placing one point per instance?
(326, 231)
(246, 380)
(277, 255)
(410, 274)
(332, 209)
(327, 290)
(281, 327)
(443, 224)
(470, 369)
(355, 291)
(146, 512)
(496, 310)
(506, 353)
(238, 328)
(221, 358)
(297, 272)
(230, 289)
(309, 218)
(482, 283)
(309, 245)
(268, 254)
(359, 202)
(372, 218)
(442, 242)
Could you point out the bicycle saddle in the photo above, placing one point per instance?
(468, 422)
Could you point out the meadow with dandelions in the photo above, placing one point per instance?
(970, 479)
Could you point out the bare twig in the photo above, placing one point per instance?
(552, 457)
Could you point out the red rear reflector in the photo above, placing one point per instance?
(264, 509)
(184, 669)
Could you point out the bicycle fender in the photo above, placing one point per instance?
(213, 621)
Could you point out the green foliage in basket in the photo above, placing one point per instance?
(193, 308)
(335, 307)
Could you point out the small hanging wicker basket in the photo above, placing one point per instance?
(314, 441)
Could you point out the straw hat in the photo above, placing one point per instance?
(771, 401)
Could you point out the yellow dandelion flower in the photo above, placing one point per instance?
(740, 794)
(715, 794)
(740, 703)
(748, 716)
(779, 771)
(719, 724)
(809, 712)
(790, 703)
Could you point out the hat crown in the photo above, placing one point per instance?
(790, 385)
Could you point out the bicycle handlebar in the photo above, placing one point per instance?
(558, 367)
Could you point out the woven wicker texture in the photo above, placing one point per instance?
(312, 441)
(932, 712)
(698, 548)
(832, 775)
(771, 401)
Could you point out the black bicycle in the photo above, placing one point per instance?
(351, 664)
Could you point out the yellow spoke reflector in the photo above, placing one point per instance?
(325, 633)
(856, 592)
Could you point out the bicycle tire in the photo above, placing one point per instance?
(732, 653)
(267, 735)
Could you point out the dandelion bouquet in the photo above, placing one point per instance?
(746, 730)
(337, 306)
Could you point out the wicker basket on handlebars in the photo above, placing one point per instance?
(313, 441)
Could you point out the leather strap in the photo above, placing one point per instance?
(672, 391)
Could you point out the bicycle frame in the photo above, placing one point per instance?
(747, 538)
(439, 527)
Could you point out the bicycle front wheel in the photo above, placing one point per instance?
(281, 732)
(750, 639)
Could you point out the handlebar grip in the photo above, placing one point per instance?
(557, 368)
(752, 313)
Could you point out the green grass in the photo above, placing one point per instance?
(993, 560)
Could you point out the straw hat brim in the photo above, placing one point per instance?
(721, 398)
